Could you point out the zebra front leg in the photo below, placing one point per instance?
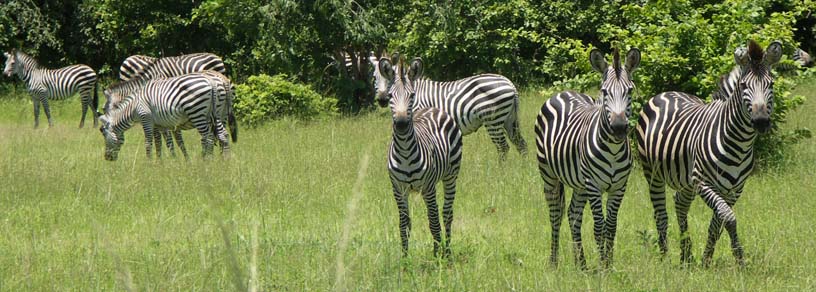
(613, 203)
(404, 219)
(723, 215)
(596, 206)
(168, 138)
(157, 139)
(447, 212)
(47, 109)
(682, 202)
(148, 131)
(555, 204)
(36, 101)
(496, 133)
(180, 143)
(429, 195)
(576, 214)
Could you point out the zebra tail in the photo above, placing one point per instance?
(95, 99)
(233, 122)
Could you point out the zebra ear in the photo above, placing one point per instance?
(596, 59)
(386, 69)
(773, 53)
(632, 60)
(741, 56)
(416, 69)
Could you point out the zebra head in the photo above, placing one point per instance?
(616, 88)
(10, 60)
(401, 94)
(383, 79)
(113, 142)
(755, 86)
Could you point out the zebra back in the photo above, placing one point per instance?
(150, 67)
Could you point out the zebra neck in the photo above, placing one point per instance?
(405, 146)
(123, 118)
(603, 134)
(736, 125)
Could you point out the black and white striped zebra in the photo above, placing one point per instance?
(55, 84)
(707, 149)
(139, 66)
(183, 102)
(802, 58)
(487, 99)
(426, 147)
(582, 143)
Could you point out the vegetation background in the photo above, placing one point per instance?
(298, 207)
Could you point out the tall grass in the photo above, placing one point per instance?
(72, 221)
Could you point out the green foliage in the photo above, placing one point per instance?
(263, 98)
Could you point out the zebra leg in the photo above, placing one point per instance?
(723, 213)
(513, 131)
(613, 203)
(555, 204)
(148, 131)
(447, 211)
(223, 139)
(576, 212)
(496, 133)
(596, 205)
(429, 194)
(157, 139)
(657, 193)
(180, 142)
(47, 109)
(205, 129)
(36, 101)
(404, 219)
(169, 141)
(682, 202)
(84, 111)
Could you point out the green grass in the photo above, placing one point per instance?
(72, 221)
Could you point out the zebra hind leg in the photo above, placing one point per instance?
(85, 106)
(514, 133)
(682, 201)
(555, 202)
(157, 140)
(429, 194)
(223, 139)
(657, 194)
(579, 200)
(496, 133)
(168, 138)
(447, 212)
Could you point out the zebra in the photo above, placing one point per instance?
(487, 99)
(182, 102)
(803, 58)
(56, 84)
(426, 147)
(582, 143)
(707, 149)
(150, 67)
(138, 65)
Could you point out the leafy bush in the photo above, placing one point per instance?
(265, 97)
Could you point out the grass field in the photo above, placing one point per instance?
(307, 206)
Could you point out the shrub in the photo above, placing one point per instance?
(265, 97)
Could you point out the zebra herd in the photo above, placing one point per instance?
(581, 142)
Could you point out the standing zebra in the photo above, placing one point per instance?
(138, 65)
(149, 67)
(44, 84)
(426, 147)
(183, 102)
(583, 144)
(487, 99)
(707, 149)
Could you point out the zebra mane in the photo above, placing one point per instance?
(616, 62)
(727, 84)
(755, 52)
(25, 58)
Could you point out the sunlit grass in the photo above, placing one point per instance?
(72, 221)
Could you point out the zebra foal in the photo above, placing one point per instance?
(582, 143)
(426, 147)
(56, 84)
(488, 99)
(707, 149)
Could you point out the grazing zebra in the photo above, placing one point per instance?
(488, 99)
(426, 147)
(707, 149)
(183, 102)
(583, 144)
(802, 58)
(44, 84)
(150, 67)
